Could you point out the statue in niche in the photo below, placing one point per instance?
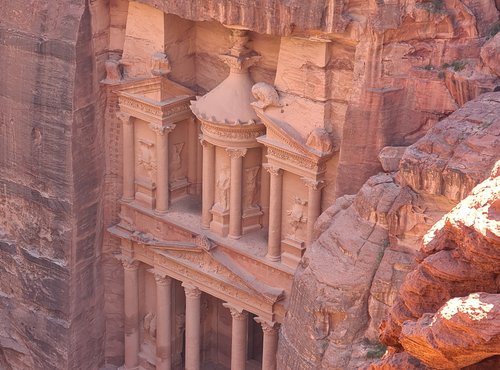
(176, 161)
(149, 324)
(146, 158)
(297, 216)
(222, 191)
(250, 188)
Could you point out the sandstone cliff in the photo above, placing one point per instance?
(446, 313)
(51, 174)
(348, 280)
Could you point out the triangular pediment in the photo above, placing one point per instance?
(283, 135)
(222, 267)
(200, 256)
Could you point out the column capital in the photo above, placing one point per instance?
(313, 184)
(267, 326)
(124, 117)
(190, 290)
(162, 278)
(236, 152)
(237, 312)
(204, 141)
(273, 170)
(161, 129)
(128, 263)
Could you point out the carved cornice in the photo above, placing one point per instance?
(237, 312)
(190, 290)
(160, 111)
(233, 135)
(236, 152)
(313, 184)
(273, 170)
(297, 160)
(203, 242)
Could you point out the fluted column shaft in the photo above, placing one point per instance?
(270, 343)
(275, 209)
(128, 157)
(131, 313)
(163, 322)
(235, 215)
(208, 183)
(193, 326)
(239, 334)
(313, 207)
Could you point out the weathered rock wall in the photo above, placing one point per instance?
(51, 172)
(348, 280)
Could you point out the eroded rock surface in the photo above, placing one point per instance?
(348, 281)
(433, 319)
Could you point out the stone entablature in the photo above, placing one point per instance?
(156, 100)
(205, 269)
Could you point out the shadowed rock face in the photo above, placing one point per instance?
(432, 318)
(50, 179)
(367, 243)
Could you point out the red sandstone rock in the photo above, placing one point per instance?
(463, 332)
(463, 256)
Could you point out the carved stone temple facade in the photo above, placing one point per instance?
(220, 192)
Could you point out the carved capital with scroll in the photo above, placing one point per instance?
(273, 170)
(161, 129)
(124, 117)
(236, 312)
(314, 184)
(236, 152)
(190, 290)
(267, 326)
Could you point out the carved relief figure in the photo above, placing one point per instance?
(149, 324)
(222, 191)
(296, 215)
(251, 187)
(146, 158)
(176, 162)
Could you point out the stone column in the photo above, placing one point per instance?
(131, 312)
(275, 205)
(192, 155)
(162, 162)
(208, 183)
(163, 322)
(128, 157)
(270, 345)
(313, 206)
(264, 193)
(238, 337)
(235, 213)
(193, 326)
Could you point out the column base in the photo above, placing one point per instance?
(235, 237)
(273, 258)
(160, 213)
(123, 367)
